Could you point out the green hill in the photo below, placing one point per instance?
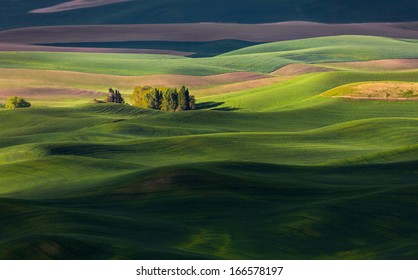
(299, 177)
(274, 172)
(310, 185)
(264, 58)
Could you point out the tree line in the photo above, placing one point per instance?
(166, 99)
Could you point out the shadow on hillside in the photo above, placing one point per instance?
(213, 105)
(208, 105)
(226, 109)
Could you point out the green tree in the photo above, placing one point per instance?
(138, 96)
(111, 95)
(16, 102)
(167, 99)
(118, 97)
(183, 99)
(153, 99)
(114, 96)
(192, 103)
(170, 100)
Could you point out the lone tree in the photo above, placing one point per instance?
(114, 96)
(17, 102)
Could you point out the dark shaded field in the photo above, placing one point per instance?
(191, 49)
(203, 32)
(191, 11)
(224, 210)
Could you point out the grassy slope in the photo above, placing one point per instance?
(279, 172)
(303, 91)
(364, 44)
(263, 58)
(143, 171)
(242, 11)
(381, 90)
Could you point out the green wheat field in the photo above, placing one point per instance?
(285, 166)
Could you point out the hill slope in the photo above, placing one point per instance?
(333, 181)
(264, 58)
(271, 171)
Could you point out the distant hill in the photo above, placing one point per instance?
(15, 13)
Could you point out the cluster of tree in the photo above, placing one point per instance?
(114, 96)
(166, 99)
(17, 102)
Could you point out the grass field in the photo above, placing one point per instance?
(264, 58)
(275, 170)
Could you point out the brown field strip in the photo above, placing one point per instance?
(382, 90)
(299, 69)
(28, 82)
(32, 48)
(377, 65)
(75, 4)
(44, 93)
(203, 32)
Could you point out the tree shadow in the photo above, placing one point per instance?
(226, 109)
(208, 105)
(213, 105)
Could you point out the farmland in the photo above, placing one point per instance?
(271, 165)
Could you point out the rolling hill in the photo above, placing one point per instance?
(302, 146)
(274, 168)
(263, 58)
